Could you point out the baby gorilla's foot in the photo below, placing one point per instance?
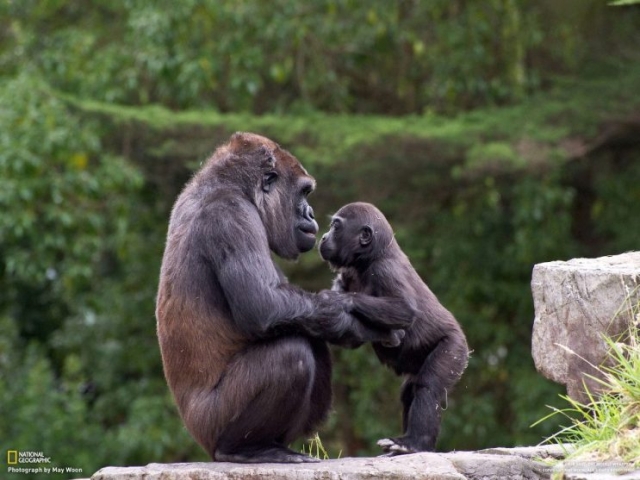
(396, 446)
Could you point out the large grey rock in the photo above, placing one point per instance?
(596, 470)
(576, 303)
(481, 466)
(521, 463)
(437, 468)
(539, 452)
(420, 466)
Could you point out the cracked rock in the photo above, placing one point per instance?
(576, 303)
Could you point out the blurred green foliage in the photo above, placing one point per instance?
(390, 57)
(77, 365)
(106, 109)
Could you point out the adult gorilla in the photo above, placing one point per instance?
(244, 352)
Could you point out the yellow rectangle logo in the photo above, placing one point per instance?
(12, 457)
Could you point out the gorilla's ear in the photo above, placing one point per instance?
(268, 179)
(366, 235)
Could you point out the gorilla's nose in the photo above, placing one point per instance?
(309, 213)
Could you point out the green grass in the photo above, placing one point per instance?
(315, 448)
(607, 428)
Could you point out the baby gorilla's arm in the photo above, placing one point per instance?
(388, 312)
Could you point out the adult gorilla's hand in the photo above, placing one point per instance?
(350, 328)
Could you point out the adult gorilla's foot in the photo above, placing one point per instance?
(275, 454)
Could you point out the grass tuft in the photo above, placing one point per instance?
(315, 448)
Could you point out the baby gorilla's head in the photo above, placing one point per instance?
(359, 235)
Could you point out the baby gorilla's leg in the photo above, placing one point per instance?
(422, 396)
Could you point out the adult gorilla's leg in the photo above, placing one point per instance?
(321, 393)
(265, 393)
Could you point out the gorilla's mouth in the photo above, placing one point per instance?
(309, 229)
(306, 234)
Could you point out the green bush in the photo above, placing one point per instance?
(81, 376)
(41, 411)
(327, 55)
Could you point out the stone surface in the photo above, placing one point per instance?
(478, 466)
(597, 471)
(576, 303)
(420, 466)
(540, 452)
(521, 463)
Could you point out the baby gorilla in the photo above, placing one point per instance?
(361, 247)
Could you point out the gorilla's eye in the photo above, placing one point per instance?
(268, 180)
(336, 224)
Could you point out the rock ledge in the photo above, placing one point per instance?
(507, 463)
(577, 303)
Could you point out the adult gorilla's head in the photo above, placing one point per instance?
(278, 185)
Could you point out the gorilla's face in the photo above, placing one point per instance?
(280, 188)
(289, 219)
(359, 235)
(305, 225)
(346, 241)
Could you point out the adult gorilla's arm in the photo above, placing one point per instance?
(262, 305)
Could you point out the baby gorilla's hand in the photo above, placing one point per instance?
(342, 327)
(395, 339)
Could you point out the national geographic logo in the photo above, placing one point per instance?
(16, 457)
(35, 463)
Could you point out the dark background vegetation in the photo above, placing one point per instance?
(494, 135)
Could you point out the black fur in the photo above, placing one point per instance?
(433, 354)
(244, 352)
